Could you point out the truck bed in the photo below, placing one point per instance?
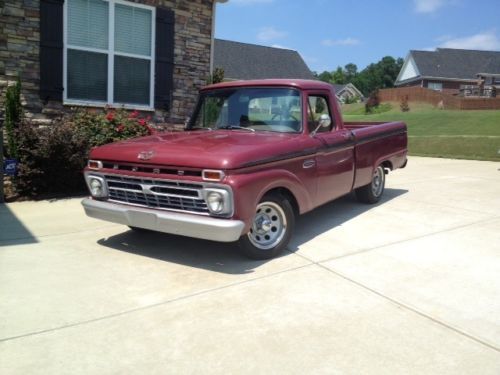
(377, 141)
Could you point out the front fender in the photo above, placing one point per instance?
(249, 188)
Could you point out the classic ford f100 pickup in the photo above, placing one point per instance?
(254, 155)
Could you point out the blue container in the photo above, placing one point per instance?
(10, 167)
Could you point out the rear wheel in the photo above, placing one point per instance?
(271, 229)
(372, 192)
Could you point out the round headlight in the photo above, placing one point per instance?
(215, 201)
(95, 187)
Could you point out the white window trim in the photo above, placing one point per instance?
(434, 85)
(111, 54)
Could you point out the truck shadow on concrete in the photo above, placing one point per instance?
(225, 257)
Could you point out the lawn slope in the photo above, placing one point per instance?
(442, 133)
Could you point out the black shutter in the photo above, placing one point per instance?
(51, 49)
(164, 57)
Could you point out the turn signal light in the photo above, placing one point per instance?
(211, 175)
(94, 164)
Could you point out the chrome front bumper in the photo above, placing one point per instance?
(208, 228)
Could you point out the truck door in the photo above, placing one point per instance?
(335, 155)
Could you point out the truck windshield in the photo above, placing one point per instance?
(251, 109)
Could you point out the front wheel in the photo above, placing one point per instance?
(372, 192)
(271, 229)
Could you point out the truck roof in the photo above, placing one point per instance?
(298, 83)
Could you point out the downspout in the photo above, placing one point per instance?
(212, 36)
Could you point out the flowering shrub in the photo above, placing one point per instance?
(52, 158)
(111, 125)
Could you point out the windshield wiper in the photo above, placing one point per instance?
(237, 127)
(199, 128)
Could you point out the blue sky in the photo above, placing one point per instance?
(328, 33)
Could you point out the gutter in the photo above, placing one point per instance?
(434, 78)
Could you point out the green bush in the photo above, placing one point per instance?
(351, 100)
(372, 102)
(52, 158)
(13, 114)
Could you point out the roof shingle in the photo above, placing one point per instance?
(456, 63)
(250, 61)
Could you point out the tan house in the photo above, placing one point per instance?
(347, 92)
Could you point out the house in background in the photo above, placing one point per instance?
(347, 93)
(149, 55)
(452, 71)
(251, 61)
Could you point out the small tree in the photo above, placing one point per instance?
(217, 76)
(404, 104)
(13, 114)
(372, 102)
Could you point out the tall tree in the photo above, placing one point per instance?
(339, 76)
(350, 71)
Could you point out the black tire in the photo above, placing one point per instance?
(372, 192)
(272, 228)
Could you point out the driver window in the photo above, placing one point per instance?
(317, 106)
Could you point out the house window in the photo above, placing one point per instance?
(109, 53)
(438, 86)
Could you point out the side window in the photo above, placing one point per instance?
(317, 106)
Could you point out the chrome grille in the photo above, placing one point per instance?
(159, 194)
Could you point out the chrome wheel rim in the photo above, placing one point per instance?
(268, 227)
(378, 181)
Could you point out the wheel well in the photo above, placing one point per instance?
(288, 195)
(387, 165)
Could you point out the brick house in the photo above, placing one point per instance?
(150, 55)
(450, 70)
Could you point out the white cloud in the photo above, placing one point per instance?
(250, 2)
(340, 42)
(270, 33)
(428, 6)
(487, 40)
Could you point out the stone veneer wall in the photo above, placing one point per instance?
(19, 54)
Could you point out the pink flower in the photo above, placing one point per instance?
(142, 122)
(133, 114)
(120, 128)
(110, 116)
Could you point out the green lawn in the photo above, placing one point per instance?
(441, 133)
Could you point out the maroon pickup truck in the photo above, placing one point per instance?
(254, 155)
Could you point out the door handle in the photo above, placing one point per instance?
(309, 163)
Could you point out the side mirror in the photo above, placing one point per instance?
(324, 122)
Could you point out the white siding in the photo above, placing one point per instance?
(409, 70)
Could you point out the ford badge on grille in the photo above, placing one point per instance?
(145, 155)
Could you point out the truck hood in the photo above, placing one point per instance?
(217, 149)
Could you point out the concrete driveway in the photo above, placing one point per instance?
(411, 285)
